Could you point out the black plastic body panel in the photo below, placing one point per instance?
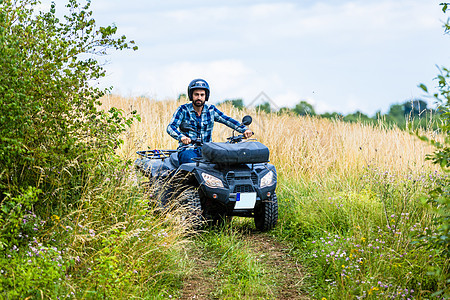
(237, 178)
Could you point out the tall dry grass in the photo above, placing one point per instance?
(302, 148)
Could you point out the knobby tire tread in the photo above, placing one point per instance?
(266, 215)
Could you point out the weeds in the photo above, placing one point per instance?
(111, 245)
(239, 274)
(366, 242)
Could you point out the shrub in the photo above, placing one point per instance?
(51, 131)
(438, 200)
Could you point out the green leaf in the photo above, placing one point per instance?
(423, 87)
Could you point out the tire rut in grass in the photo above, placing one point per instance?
(201, 280)
(288, 275)
(285, 275)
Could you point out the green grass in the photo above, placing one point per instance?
(239, 273)
(364, 239)
(112, 245)
(116, 244)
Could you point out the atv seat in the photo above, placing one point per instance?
(174, 159)
(239, 153)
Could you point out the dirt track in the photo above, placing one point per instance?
(288, 275)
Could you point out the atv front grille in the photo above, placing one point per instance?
(246, 188)
(254, 178)
(230, 177)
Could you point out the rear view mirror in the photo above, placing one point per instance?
(185, 127)
(247, 120)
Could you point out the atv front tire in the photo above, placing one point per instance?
(191, 208)
(266, 213)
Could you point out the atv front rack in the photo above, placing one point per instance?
(156, 154)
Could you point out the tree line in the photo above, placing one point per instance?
(415, 112)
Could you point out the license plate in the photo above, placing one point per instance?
(245, 200)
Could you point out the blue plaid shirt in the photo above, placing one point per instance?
(210, 113)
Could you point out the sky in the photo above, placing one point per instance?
(338, 55)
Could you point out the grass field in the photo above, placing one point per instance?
(350, 198)
(352, 221)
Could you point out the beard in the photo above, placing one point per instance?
(198, 103)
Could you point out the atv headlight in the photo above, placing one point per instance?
(212, 181)
(267, 180)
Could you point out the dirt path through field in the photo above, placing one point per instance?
(287, 274)
(201, 280)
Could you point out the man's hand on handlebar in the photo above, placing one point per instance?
(185, 140)
(248, 133)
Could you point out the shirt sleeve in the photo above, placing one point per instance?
(230, 122)
(172, 128)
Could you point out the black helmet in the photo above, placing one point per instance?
(198, 84)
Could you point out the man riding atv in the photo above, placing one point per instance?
(213, 180)
(200, 116)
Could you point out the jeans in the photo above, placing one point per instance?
(186, 156)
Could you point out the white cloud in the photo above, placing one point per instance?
(343, 55)
(224, 77)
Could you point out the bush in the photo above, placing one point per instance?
(438, 200)
(57, 150)
(34, 270)
(51, 132)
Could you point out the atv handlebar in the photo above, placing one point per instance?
(232, 140)
(194, 143)
(237, 138)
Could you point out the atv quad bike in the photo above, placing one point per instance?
(231, 178)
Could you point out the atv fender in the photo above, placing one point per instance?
(191, 173)
(189, 167)
(186, 174)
